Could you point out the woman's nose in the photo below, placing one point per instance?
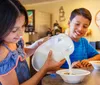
(20, 32)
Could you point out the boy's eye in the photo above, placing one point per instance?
(85, 26)
(77, 24)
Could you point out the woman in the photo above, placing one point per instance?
(13, 67)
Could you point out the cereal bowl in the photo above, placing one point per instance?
(77, 75)
(95, 64)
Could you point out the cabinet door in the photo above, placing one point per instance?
(42, 22)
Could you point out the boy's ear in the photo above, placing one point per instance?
(68, 23)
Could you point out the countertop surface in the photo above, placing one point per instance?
(92, 79)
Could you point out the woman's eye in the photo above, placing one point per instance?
(14, 31)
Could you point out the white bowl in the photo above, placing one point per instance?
(95, 64)
(77, 75)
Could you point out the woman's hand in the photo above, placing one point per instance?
(51, 64)
(29, 50)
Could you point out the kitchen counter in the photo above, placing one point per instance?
(92, 79)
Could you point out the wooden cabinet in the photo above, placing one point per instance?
(42, 22)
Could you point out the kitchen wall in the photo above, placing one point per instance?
(68, 6)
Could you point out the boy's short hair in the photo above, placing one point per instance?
(81, 11)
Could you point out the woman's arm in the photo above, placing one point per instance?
(50, 65)
(31, 49)
(9, 78)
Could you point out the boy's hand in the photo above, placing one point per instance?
(77, 64)
(81, 64)
(85, 63)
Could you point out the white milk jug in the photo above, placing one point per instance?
(61, 46)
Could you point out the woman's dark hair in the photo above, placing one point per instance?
(81, 11)
(10, 10)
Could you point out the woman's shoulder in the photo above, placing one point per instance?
(5, 50)
(8, 60)
(3, 53)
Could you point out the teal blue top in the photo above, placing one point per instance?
(10, 62)
(82, 50)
